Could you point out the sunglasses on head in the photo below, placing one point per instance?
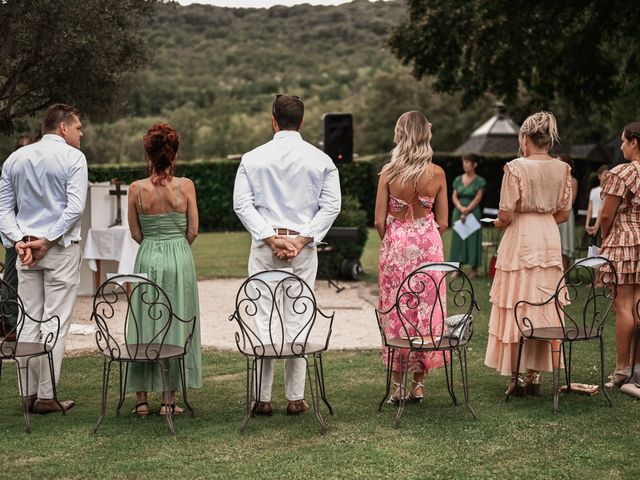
(273, 106)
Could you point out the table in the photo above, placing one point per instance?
(113, 243)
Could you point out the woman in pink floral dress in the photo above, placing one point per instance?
(411, 214)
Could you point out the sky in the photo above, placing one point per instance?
(260, 3)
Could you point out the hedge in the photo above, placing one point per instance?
(214, 183)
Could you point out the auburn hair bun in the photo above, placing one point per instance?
(161, 147)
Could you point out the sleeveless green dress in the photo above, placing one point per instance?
(469, 250)
(165, 256)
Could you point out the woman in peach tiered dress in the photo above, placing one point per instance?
(535, 197)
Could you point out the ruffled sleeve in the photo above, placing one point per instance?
(482, 183)
(511, 191)
(456, 182)
(564, 202)
(623, 178)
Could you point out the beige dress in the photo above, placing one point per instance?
(529, 263)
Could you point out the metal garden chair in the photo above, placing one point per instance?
(264, 303)
(430, 325)
(583, 300)
(23, 352)
(113, 305)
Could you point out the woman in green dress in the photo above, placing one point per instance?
(467, 195)
(163, 218)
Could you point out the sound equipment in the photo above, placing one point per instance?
(337, 136)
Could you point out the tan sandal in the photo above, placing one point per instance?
(397, 395)
(413, 398)
(141, 413)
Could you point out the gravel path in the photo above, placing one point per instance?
(354, 323)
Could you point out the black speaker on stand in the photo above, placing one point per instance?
(337, 136)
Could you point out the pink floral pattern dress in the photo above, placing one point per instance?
(406, 245)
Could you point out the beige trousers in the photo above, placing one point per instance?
(48, 288)
(305, 265)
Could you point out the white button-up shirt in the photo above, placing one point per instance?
(287, 183)
(48, 182)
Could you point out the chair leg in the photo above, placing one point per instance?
(323, 391)
(448, 372)
(462, 356)
(183, 381)
(567, 365)
(314, 393)
(405, 373)
(555, 360)
(123, 386)
(106, 370)
(604, 390)
(53, 382)
(24, 393)
(390, 355)
(520, 348)
(251, 374)
(166, 385)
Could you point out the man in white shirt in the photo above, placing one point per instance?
(47, 182)
(287, 195)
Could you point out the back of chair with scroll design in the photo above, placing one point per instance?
(278, 317)
(14, 347)
(132, 327)
(575, 312)
(432, 313)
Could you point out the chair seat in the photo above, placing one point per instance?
(142, 352)
(284, 351)
(23, 349)
(417, 343)
(557, 333)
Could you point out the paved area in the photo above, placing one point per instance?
(354, 323)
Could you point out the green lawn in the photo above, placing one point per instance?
(519, 439)
(225, 254)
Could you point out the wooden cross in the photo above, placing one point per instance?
(118, 192)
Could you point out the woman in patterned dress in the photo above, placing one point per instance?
(620, 222)
(468, 189)
(410, 189)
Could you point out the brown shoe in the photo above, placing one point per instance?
(31, 399)
(263, 408)
(296, 407)
(42, 407)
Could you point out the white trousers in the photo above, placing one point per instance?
(48, 288)
(305, 265)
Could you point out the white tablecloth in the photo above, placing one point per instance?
(113, 243)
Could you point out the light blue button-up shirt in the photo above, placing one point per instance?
(287, 183)
(48, 182)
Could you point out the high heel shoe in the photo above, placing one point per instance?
(533, 381)
(412, 397)
(397, 394)
(617, 379)
(517, 386)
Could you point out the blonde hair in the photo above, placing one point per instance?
(412, 153)
(541, 128)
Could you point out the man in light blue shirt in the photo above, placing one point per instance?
(47, 182)
(287, 195)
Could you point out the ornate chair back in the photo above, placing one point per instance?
(122, 331)
(11, 305)
(278, 316)
(423, 305)
(582, 301)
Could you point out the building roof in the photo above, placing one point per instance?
(498, 135)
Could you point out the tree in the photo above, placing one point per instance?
(73, 51)
(577, 53)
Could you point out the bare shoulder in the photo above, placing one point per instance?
(186, 183)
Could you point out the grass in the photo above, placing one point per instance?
(225, 254)
(519, 439)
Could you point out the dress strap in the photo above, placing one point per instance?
(140, 199)
(177, 195)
